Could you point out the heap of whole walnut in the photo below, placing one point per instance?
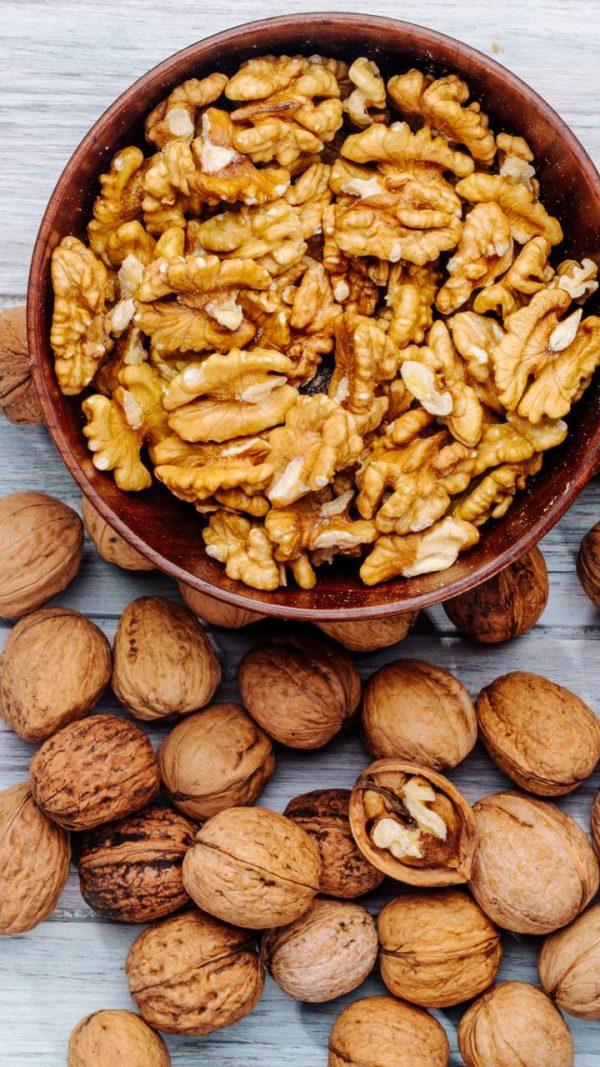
(329, 342)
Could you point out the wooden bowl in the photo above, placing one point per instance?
(168, 531)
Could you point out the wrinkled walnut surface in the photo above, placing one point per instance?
(18, 398)
(513, 1024)
(505, 606)
(568, 965)
(114, 1037)
(41, 544)
(385, 1032)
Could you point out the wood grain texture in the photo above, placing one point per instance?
(63, 62)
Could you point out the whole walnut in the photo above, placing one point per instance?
(419, 712)
(569, 966)
(385, 1032)
(34, 861)
(344, 870)
(252, 866)
(214, 760)
(130, 870)
(116, 1039)
(514, 1025)
(41, 544)
(93, 771)
(505, 606)
(437, 949)
(367, 635)
(301, 690)
(163, 662)
(216, 612)
(190, 974)
(534, 869)
(111, 546)
(588, 564)
(542, 736)
(55, 666)
(18, 398)
(326, 953)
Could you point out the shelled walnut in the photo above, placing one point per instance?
(41, 544)
(569, 965)
(505, 606)
(588, 564)
(111, 546)
(514, 1024)
(18, 397)
(216, 612)
(385, 1032)
(413, 824)
(114, 1038)
(370, 634)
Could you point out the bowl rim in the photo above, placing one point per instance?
(35, 308)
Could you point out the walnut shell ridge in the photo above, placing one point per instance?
(217, 612)
(569, 966)
(512, 1024)
(114, 1038)
(369, 634)
(109, 544)
(506, 605)
(385, 1032)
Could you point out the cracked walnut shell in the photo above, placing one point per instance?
(18, 397)
(385, 1032)
(114, 1038)
(514, 1025)
(110, 545)
(506, 605)
(41, 545)
(569, 964)
(372, 633)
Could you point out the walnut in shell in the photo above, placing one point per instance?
(505, 606)
(217, 612)
(130, 870)
(41, 544)
(569, 966)
(437, 949)
(111, 546)
(18, 398)
(116, 1039)
(367, 635)
(253, 866)
(163, 662)
(534, 869)
(345, 872)
(514, 1025)
(416, 711)
(93, 771)
(413, 824)
(326, 953)
(301, 690)
(541, 735)
(595, 823)
(34, 861)
(214, 760)
(192, 975)
(385, 1032)
(54, 668)
(588, 564)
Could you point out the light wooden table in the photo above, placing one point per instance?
(63, 63)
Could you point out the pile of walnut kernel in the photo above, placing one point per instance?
(325, 308)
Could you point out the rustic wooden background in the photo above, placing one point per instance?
(63, 62)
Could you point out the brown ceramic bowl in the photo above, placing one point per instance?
(168, 531)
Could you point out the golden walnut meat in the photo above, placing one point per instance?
(505, 606)
(215, 760)
(326, 953)
(111, 546)
(534, 869)
(18, 397)
(93, 771)
(588, 564)
(384, 1032)
(345, 872)
(54, 667)
(541, 735)
(372, 633)
(34, 861)
(419, 712)
(569, 964)
(193, 975)
(41, 544)
(130, 870)
(514, 1025)
(253, 866)
(437, 949)
(301, 690)
(116, 1039)
(217, 612)
(163, 662)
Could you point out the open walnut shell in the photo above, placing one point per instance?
(413, 824)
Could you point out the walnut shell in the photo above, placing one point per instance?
(18, 397)
(416, 711)
(542, 736)
(54, 668)
(595, 823)
(217, 612)
(116, 1039)
(534, 869)
(367, 635)
(94, 771)
(569, 966)
(588, 564)
(344, 870)
(41, 544)
(34, 861)
(384, 1032)
(437, 949)
(163, 662)
(252, 866)
(326, 953)
(514, 1025)
(192, 975)
(301, 690)
(505, 606)
(110, 545)
(130, 870)
(214, 760)
(428, 859)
